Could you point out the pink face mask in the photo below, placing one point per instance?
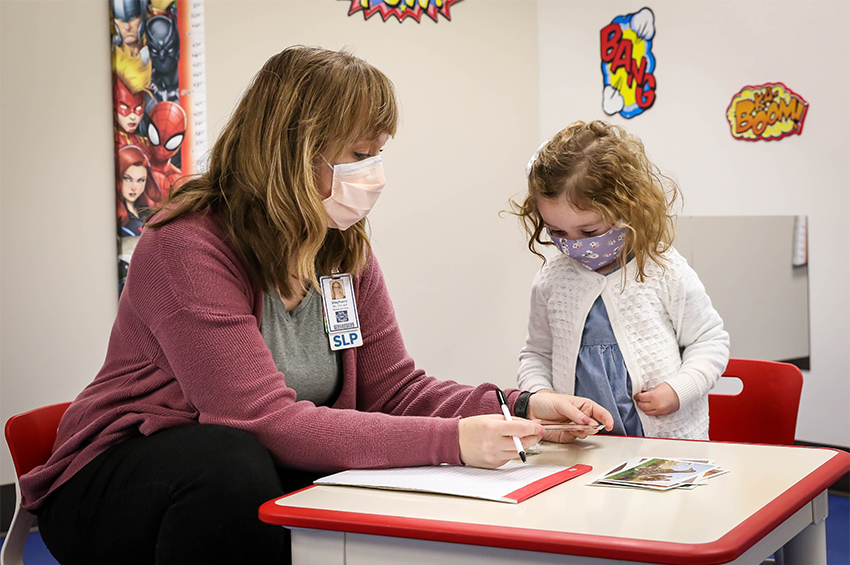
(593, 252)
(356, 187)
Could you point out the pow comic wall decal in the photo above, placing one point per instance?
(628, 64)
(766, 112)
(402, 9)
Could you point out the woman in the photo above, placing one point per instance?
(205, 408)
(136, 188)
(337, 291)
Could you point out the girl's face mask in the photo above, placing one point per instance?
(593, 252)
(355, 189)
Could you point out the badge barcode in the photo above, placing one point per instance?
(338, 327)
(341, 316)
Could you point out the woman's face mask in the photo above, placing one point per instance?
(354, 191)
(593, 252)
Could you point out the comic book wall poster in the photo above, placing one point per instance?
(766, 112)
(402, 9)
(628, 64)
(159, 107)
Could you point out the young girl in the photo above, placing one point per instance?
(619, 316)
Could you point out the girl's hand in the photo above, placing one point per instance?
(550, 406)
(658, 401)
(487, 441)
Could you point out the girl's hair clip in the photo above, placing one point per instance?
(534, 158)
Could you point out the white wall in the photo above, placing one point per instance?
(472, 114)
(706, 52)
(57, 233)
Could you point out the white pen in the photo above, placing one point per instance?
(504, 404)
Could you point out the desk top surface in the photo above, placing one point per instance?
(765, 485)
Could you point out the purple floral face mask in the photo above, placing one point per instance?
(593, 252)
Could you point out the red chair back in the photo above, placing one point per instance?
(31, 435)
(765, 411)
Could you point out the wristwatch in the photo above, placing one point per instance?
(521, 406)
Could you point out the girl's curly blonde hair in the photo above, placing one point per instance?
(601, 168)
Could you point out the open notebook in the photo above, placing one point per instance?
(512, 482)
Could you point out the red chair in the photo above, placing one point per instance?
(765, 411)
(30, 437)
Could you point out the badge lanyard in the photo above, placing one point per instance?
(342, 323)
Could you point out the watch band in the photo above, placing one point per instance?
(521, 406)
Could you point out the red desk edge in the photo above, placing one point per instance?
(725, 549)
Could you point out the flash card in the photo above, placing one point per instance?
(569, 426)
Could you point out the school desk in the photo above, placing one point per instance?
(772, 497)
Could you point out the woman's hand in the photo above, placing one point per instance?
(658, 401)
(487, 441)
(553, 407)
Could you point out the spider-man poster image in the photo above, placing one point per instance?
(157, 84)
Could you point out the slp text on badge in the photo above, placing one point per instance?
(345, 340)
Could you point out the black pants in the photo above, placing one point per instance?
(180, 496)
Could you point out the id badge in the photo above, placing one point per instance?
(341, 320)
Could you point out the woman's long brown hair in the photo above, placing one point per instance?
(305, 103)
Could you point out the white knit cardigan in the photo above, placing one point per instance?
(666, 328)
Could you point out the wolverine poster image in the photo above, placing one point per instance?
(159, 108)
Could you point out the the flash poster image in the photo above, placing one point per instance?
(158, 108)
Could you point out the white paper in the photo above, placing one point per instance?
(489, 484)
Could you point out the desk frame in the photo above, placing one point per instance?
(793, 520)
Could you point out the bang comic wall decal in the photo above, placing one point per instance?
(628, 64)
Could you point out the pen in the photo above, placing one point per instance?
(504, 404)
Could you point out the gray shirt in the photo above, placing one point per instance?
(300, 347)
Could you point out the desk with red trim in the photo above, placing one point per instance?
(772, 497)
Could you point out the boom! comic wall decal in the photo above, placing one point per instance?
(628, 64)
(766, 112)
(402, 9)
(158, 107)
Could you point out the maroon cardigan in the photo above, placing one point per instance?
(186, 348)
